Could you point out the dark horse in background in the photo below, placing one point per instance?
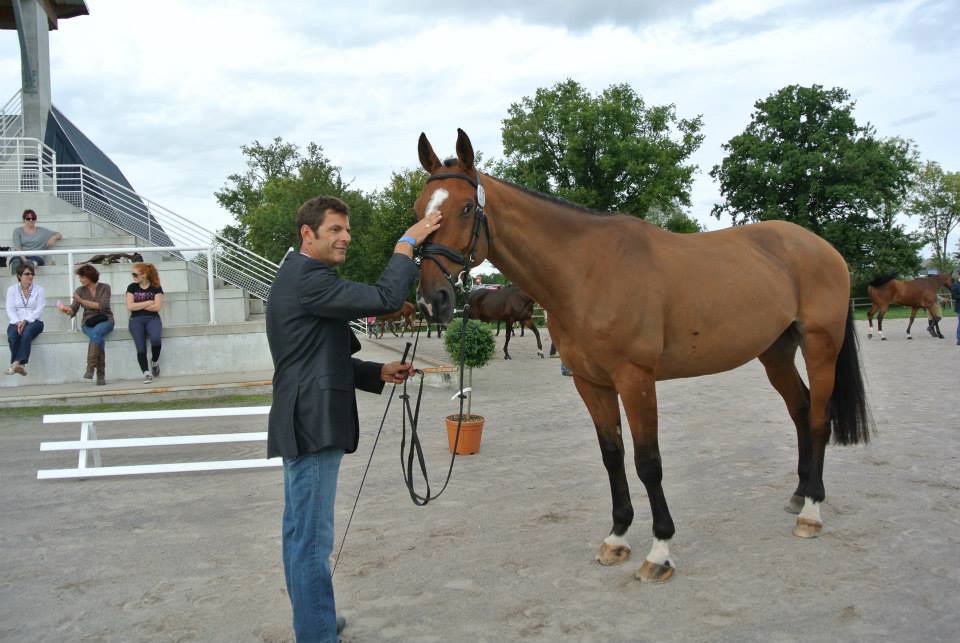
(405, 316)
(630, 304)
(917, 293)
(508, 304)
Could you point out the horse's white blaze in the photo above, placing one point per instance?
(660, 552)
(436, 200)
(426, 305)
(616, 541)
(811, 511)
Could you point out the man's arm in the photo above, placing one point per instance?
(324, 294)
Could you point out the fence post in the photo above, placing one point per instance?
(39, 166)
(73, 321)
(212, 299)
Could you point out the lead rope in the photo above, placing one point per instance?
(414, 417)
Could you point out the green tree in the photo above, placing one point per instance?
(803, 158)
(607, 152)
(936, 200)
(392, 214)
(674, 219)
(279, 178)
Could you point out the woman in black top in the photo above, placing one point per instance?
(144, 299)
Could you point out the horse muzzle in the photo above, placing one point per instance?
(437, 306)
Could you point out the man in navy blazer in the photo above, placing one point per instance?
(313, 418)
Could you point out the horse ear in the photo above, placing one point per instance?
(428, 158)
(464, 149)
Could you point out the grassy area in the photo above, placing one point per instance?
(899, 312)
(217, 402)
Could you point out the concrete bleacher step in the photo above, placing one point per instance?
(191, 346)
(179, 308)
(59, 357)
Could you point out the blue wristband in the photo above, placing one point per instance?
(410, 240)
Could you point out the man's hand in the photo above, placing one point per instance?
(395, 372)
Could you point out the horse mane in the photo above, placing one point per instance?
(882, 279)
(553, 199)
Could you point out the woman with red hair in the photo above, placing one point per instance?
(144, 300)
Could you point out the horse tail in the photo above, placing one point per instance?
(882, 279)
(849, 420)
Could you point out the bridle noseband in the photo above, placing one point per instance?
(466, 259)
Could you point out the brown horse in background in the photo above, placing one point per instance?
(406, 315)
(916, 293)
(508, 304)
(630, 304)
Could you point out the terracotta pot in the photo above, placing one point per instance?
(470, 431)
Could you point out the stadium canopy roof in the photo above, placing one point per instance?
(56, 10)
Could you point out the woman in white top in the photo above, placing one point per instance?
(25, 303)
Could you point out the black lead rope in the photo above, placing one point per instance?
(414, 417)
(429, 251)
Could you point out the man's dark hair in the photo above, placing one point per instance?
(313, 212)
(88, 271)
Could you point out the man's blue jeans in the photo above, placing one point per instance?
(98, 334)
(309, 495)
(20, 343)
(958, 327)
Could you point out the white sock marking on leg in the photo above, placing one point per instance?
(616, 541)
(811, 511)
(660, 552)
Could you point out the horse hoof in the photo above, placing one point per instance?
(909, 336)
(613, 554)
(806, 528)
(654, 572)
(540, 353)
(883, 339)
(794, 505)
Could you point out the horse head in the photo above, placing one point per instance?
(462, 239)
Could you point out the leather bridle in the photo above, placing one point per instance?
(465, 258)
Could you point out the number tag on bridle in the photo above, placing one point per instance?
(481, 196)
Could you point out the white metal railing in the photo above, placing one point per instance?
(70, 252)
(106, 199)
(27, 165)
(11, 116)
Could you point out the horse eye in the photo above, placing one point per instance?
(468, 208)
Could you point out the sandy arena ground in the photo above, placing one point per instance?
(506, 554)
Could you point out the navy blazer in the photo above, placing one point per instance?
(315, 378)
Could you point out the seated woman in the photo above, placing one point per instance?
(25, 302)
(97, 320)
(144, 300)
(29, 237)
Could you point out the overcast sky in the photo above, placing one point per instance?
(171, 90)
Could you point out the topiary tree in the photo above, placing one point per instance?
(475, 344)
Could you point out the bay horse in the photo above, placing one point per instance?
(630, 304)
(916, 293)
(508, 304)
(406, 316)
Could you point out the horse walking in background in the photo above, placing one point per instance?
(406, 316)
(630, 304)
(916, 293)
(508, 304)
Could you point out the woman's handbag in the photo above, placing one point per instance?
(93, 320)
